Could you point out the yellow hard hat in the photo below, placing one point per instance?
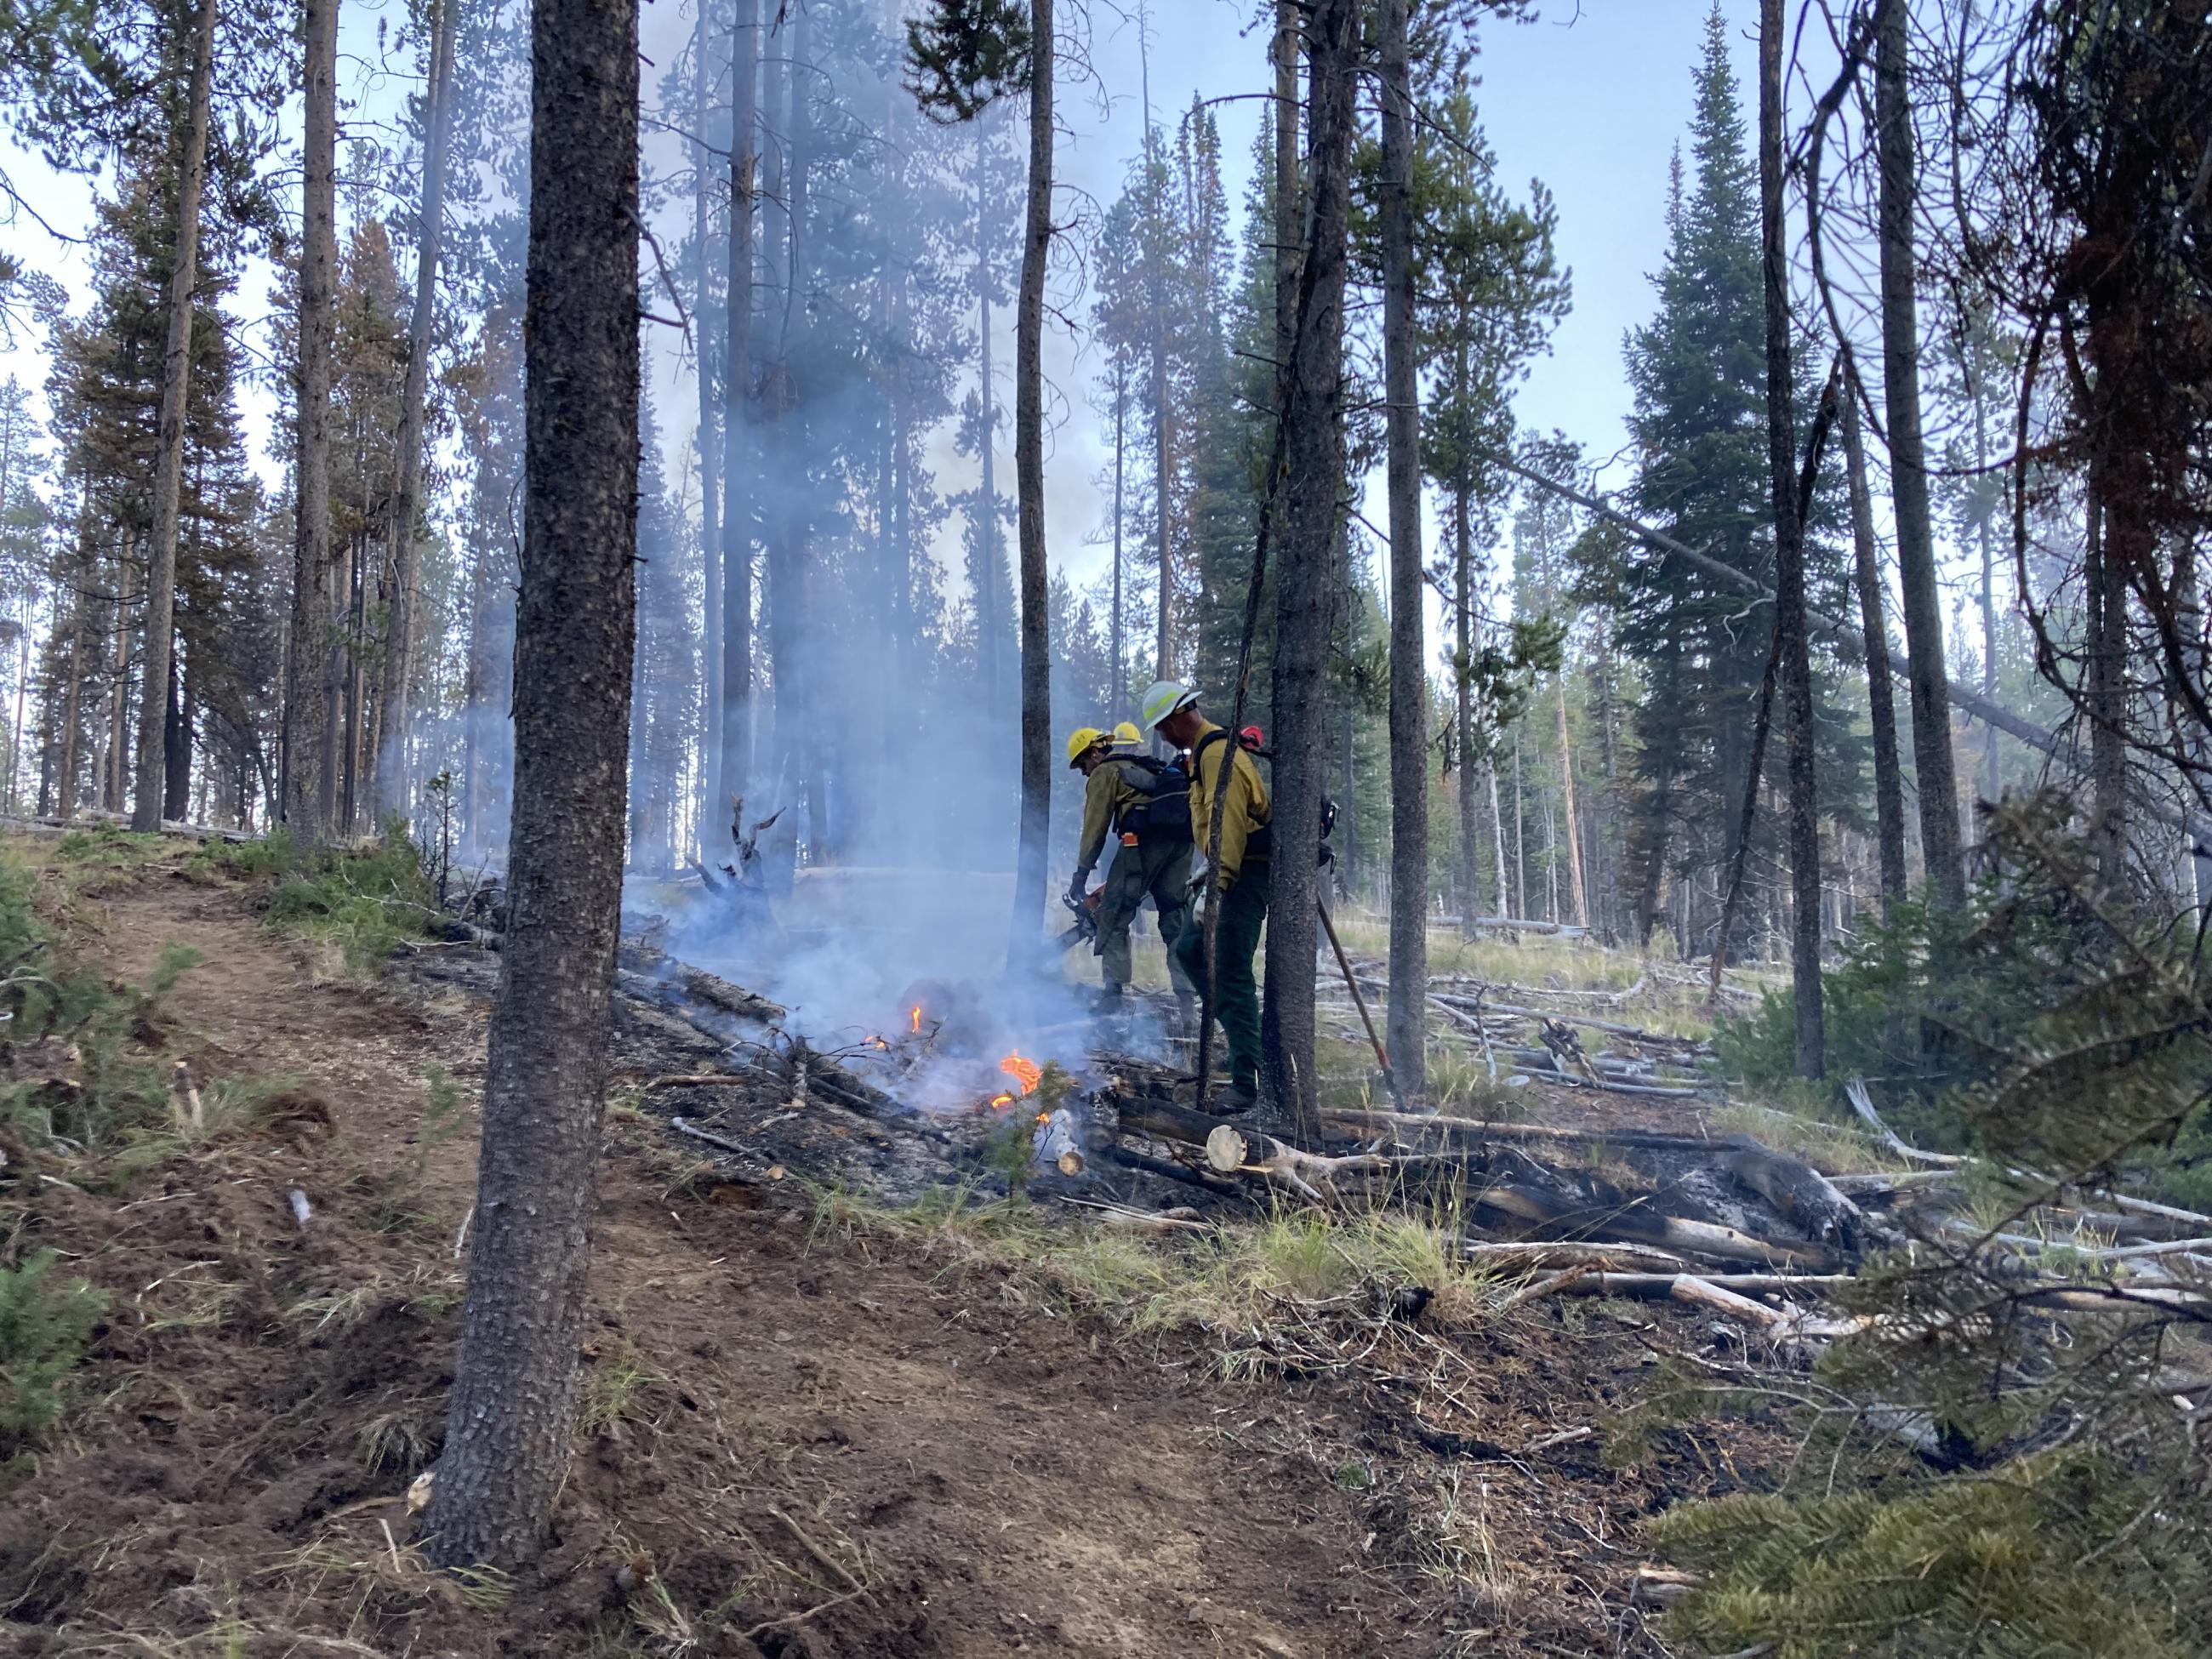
(1081, 741)
(1126, 732)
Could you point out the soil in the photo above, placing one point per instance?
(800, 1437)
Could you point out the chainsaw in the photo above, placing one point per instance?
(1085, 912)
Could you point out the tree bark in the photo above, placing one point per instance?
(1163, 413)
(1305, 586)
(2105, 650)
(1029, 482)
(310, 761)
(1579, 888)
(988, 628)
(177, 745)
(1908, 458)
(1286, 197)
(152, 771)
(1470, 904)
(713, 488)
(735, 683)
(72, 734)
(1888, 777)
(395, 696)
(514, 1385)
(1792, 649)
(1117, 645)
(1406, 1021)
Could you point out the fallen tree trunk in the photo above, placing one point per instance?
(1581, 1220)
(1611, 1028)
(682, 980)
(1804, 1196)
(1660, 1285)
(1551, 1255)
(1638, 1140)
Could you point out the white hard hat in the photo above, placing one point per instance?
(1164, 699)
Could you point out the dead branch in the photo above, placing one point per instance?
(1855, 1091)
(1556, 1253)
(1640, 1140)
(1545, 1286)
(685, 1128)
(1609, 1027)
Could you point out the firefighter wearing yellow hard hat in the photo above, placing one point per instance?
(1237, 882)
(1141, 802)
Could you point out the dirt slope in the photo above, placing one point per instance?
(797, 1441)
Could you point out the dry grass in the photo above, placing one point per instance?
(1831, 1147)
(1230, 1280)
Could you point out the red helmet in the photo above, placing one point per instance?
(1252, 736)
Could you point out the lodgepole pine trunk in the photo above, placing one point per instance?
(1407, 1017)
(1463, 689)
(152, 771)
(1305, 586)
(1792, 650)
(514, 1398)
(1888, 775)
(736, 684)
(177, 747)
(713, 743)
(1579, 887)
(1117, 645)
(1286, 195)
(1163, 409)
(2105, 651)
(1029, 483)
(395, 692)
(72, 734)
(310, 757)
(987, 625)
(1908, 456)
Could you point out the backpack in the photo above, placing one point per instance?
(1261, 842)
(1163, 817)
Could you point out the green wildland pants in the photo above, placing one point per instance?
(1237, 943)
(1162, 871)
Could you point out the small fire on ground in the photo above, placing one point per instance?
(1026, 1072)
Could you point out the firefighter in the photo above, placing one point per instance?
(1238, 883)
(1141, 802)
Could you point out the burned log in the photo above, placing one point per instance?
(665, 979)
(1561, 1216)
(1551, 1255)
(1799, 1193)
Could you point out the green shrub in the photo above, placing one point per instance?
(2064, 1025)
(364, 901)
(2012, 1566)
(45, 1323)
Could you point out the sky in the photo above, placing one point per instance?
(1590, 98)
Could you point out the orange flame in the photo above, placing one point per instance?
(916, 1018)
(1002, 1100)
(1027, 1072)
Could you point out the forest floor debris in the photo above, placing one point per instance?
(841, 1396)
(818, 1421)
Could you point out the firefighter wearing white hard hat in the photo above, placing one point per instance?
(1143, 804)
(1236, 881)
